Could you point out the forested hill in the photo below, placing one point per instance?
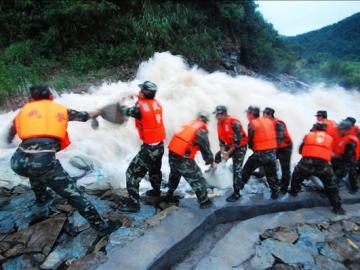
(339, 41)
(330, 54)
(67, 42)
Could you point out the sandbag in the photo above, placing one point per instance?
(114, 113)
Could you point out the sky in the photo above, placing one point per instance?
(291, 18)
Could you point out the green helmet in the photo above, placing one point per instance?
(148, 86)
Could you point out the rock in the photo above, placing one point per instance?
(77, 223)
(118, 196)
(324, 263)
(262, 259)
(20, 211)
(281, 266)
(335, 230)
(71, 248)
(115, 216)
(122, 236)
(67, 208)
(323, 225)
(89, 262)
(287, 253)
(309, 236)
(37, 238)
(349, 226)
(330, 253)
(285, 235)
(101, 244)
(344, 248)
(5, 192)
(23, 262)
(20, 189)
(157, 219)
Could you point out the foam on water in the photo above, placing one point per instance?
(183, 91)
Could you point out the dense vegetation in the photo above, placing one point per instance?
(331, 53)
(66, 42)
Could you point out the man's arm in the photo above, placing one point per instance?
(237, 133)
(202, 140)
(133, 111)
(280, 132)
(250, 136)
(349, 154)
(301, 146)
(78, 116)
(11, 133)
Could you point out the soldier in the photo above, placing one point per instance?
(355, 131)
(149, 123)
(182, 150)
(321, 117)
(262, 140)
(233, 143)
(316, 150)
(42, 126)
(346, 150)
(284, 147)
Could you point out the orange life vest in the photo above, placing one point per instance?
(317, 144)
(183, 143)
(150, 127)
(285, 142)
(43, 119)
(331, 127)
(340, 144)
(226, 132)
(264, 134)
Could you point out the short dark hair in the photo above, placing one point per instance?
(254, 110)
(148, 94)
(40, 92)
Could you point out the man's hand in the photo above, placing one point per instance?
(214, 165)
(225, 156)
(94, 114)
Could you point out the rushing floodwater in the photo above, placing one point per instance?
(183, 91)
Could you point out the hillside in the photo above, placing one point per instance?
(330, 54)
(66, 43)
(339, 41)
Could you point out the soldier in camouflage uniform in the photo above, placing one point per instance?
(183, 164)
(230, 130)
(149, 158)
(316, 150)
(262, 140)
(345, 160)
(35, 158)
(284, 148)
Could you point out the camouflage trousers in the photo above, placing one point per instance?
(148, 160)
(308, 167)
(238, 159)
(44, 170)
(284, 157)
(180, 166)
(267, 160)
(342, 167)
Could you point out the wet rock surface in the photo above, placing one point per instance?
(310, 246)
(54, 235)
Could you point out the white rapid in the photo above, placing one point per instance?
(183, 91)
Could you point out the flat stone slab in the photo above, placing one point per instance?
(163, 245)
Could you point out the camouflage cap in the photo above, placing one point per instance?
(220, 109)
(255, 110)
(148, 86)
